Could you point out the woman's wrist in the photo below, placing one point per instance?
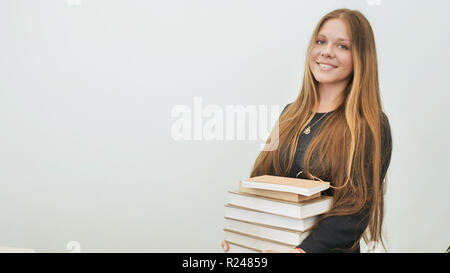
(299, 250)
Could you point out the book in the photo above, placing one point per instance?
(255, 243)
(300, 210)
(286, 184)
(5, 249)
(280, 195)
(261, 217)
(236, 248)
(283, 235)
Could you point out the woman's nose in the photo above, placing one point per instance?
(326, 54)
(326, 51)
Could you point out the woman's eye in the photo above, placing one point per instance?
(321, 42)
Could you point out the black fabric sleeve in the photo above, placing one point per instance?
(285, 108)
(337, 233)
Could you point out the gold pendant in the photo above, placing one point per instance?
(307, 131)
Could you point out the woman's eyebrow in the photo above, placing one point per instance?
(340, 39)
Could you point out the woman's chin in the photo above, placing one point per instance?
(324, 79)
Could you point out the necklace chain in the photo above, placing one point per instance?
(308, 129)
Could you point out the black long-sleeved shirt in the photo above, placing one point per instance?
(337, 231)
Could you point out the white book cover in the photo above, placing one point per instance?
(286, 236)
(299, 210)
(254, 242)
(235, 248)
(260, 217)
(287, 184)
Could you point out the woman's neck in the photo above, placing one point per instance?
(330, 97)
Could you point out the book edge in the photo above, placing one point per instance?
(300, 204)
(260, 211)
(258, 238)
(267, 226)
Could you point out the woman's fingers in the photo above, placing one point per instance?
(269, 251)
(225, 246)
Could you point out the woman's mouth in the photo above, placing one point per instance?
(326, 67)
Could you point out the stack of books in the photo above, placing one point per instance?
(273, 212)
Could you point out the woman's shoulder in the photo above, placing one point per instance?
(384, 118)
(386, 137)
(284, 109)
(385, 125)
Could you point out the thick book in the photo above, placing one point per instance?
(261, 217)
(286, 184)
(236, 248)
(255, 243)
(300, 210)
(283, 235)
(280, 195)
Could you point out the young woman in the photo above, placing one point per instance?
(337, 131)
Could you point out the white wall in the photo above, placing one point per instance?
(86, 93)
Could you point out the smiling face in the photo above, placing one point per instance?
(331, 55)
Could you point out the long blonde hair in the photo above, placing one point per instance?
(349, 150)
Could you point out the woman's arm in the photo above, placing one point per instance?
(336, 232)
(342, 231)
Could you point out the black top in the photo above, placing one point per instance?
(305, 140)
(336, 231)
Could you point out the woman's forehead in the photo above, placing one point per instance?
(335, 29)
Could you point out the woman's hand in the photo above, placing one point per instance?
(294, 250)
(225, 246)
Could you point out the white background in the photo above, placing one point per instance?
(86, 93)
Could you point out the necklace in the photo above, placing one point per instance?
(308, 129)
